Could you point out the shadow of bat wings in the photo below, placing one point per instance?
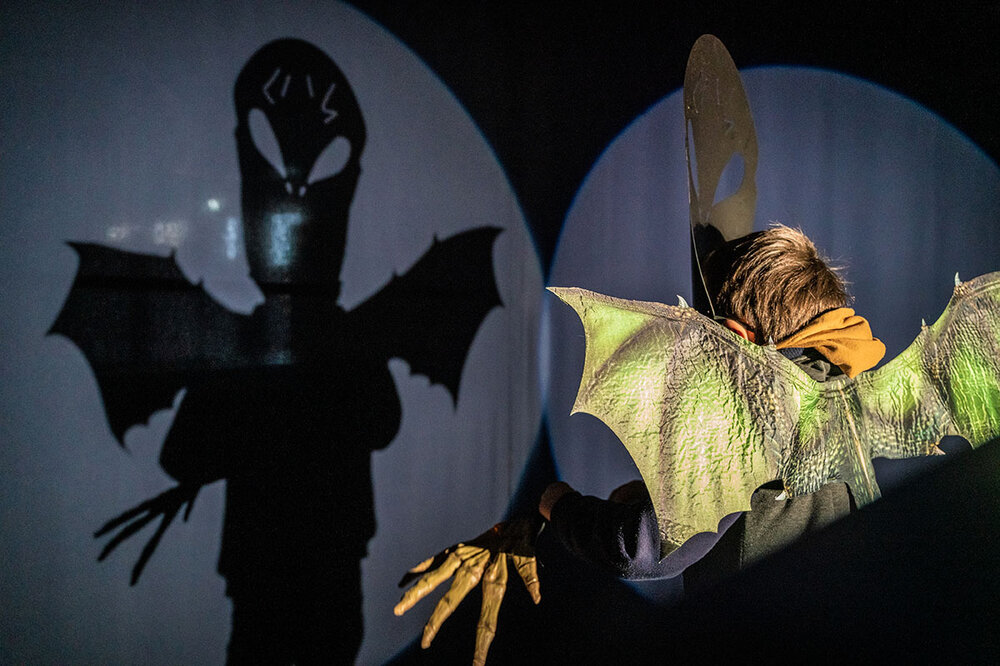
(429, 316)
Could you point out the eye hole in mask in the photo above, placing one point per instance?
(331, 161)
(266, 142)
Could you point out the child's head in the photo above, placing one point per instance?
(773, 281)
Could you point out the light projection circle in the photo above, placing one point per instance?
(884, 187)
(136, 151)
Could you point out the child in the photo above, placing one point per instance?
(770, 285)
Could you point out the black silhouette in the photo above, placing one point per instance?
(287, 403)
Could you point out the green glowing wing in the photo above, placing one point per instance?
(708, 417)
(701, 411)
(947, 382)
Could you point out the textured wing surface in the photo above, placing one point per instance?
(947, 382)
(706, 417)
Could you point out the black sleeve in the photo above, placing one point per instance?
(622, 539)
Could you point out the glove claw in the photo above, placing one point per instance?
(483, 559)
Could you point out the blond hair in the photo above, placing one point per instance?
(774, 282)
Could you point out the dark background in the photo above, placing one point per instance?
(549, 86)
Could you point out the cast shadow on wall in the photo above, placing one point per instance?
(287, 403)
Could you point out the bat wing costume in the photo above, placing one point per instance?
(709, 417)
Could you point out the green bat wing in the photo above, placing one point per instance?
(691, 402)
(947, 382)
(709, 417)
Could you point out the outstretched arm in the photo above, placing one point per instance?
(581, 521)
(619, 534)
